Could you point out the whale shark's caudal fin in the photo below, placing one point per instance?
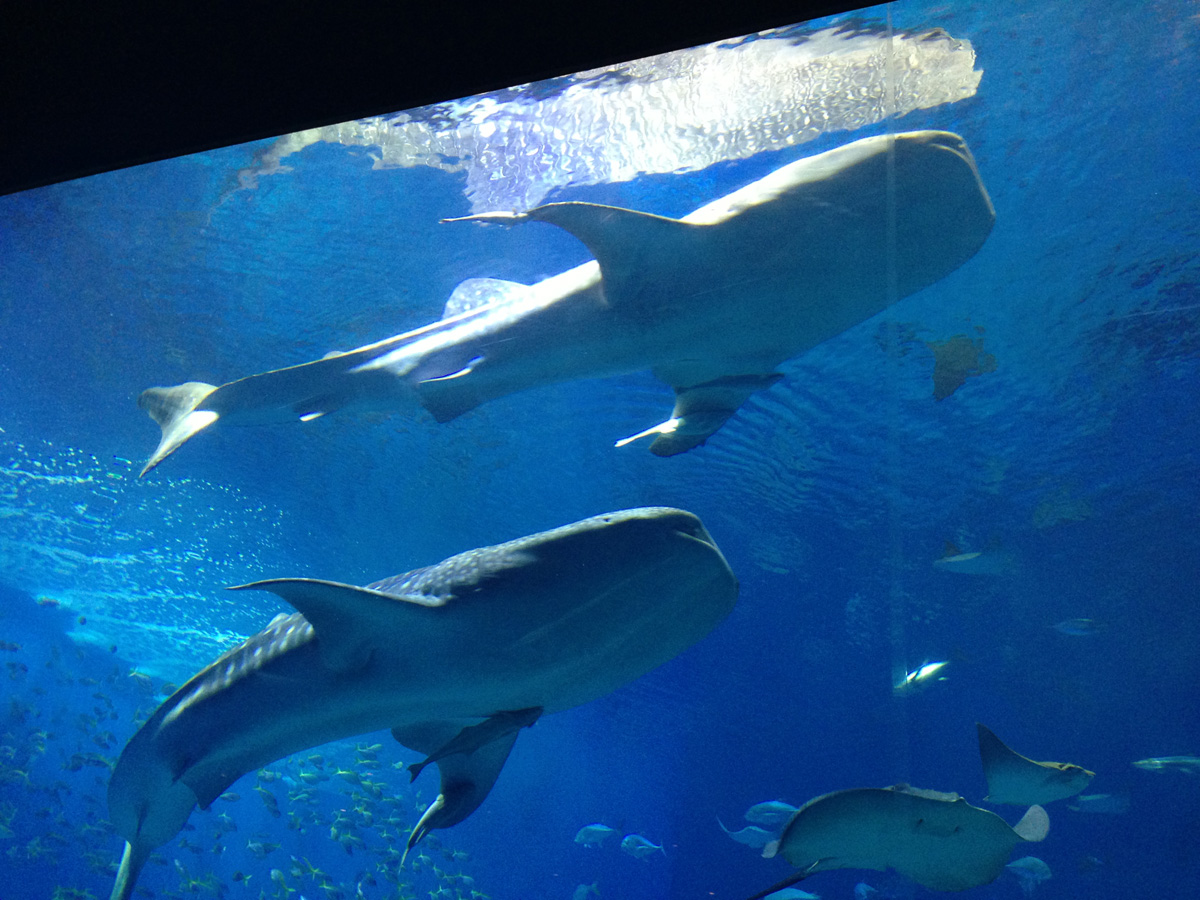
(174, 409)
(127, 874)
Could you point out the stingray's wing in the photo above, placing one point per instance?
(1018, 780)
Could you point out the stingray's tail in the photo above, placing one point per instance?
(127, 875)
(174, 409)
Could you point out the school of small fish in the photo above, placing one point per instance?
(347, 803)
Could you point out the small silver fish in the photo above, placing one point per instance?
(260, 850)
(593, 835)
(920, 677)
(1078, 627)
(638, 846)
(770, 813)
(1030, 871)
(1189, 765)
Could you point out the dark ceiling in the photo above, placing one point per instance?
(88, 87)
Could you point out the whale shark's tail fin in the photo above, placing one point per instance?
(174, 409)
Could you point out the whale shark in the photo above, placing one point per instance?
(500, 634)
(710, 303)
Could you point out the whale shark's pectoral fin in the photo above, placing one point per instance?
(347, 619)
(174, 409)
(473, 737)
(467, 778)
(700, 410)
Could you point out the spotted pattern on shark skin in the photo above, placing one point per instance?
(284, 633)
(554, 621)
(435, 583)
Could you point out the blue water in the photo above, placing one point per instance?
(832, 494)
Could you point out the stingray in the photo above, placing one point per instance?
(1015, 779)
(548, 621)
(937, 839)
(710, 303)
(955, 360)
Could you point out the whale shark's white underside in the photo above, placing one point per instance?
(710, 303)
(502, 633)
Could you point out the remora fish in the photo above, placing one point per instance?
(937, 839)
(710, 303)
(553, 620)
(1016, 779)
(473, 737)
(751, 835)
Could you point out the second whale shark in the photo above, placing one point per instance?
(503, 634)
(710, 303)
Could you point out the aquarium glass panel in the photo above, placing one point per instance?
(767, 465)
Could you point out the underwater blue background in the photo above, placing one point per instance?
(832, 494)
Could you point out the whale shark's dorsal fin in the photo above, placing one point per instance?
(174, 409)
(639, 253)
(644, 259)
(630, 246)
(467, 778)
